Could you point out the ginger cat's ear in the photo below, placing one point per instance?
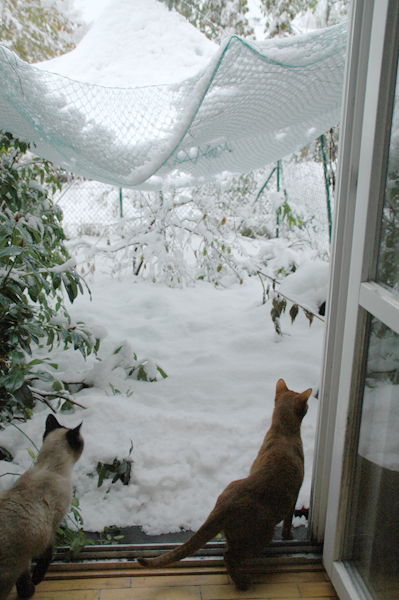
(281, 387)
(305, 395)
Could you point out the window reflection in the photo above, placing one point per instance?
(374, 539)
(388, 261)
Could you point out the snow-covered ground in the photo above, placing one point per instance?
(194, 431)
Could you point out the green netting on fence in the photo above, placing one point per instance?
(254, 104)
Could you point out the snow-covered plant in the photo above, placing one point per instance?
(335, 11)
(174, 240)
(118, 470)
(121, 359)
(35, 272)
(216, 18)
(39, 29)
(280, 303)
(214, 232)
(280, 14)
(144, 369)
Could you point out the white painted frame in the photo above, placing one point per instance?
(367, 107)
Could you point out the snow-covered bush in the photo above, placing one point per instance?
(216, 232)
(305, 289)
(282, 14)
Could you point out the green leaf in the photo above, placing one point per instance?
(57, 386)
(67, 405)
(142, 375)
(14, 380)
(36, 361)
(162, 372)
(43, 376)
(11, 251)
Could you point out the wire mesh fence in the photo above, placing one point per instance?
(270, 202)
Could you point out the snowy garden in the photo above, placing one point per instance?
(166, 316)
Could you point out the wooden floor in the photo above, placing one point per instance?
(289, 582)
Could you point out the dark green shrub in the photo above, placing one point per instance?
(35, 272)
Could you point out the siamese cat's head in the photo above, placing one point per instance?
(63, 439)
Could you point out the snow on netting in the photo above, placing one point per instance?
(255, 103)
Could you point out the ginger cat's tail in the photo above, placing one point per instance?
(211, 527)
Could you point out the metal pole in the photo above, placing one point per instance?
(120, 203)
(264, 185)
(279, 208)
(328, 199)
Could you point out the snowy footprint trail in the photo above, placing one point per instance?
(193, 432)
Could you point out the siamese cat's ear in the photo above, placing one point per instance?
(74, 438)
(51, 424)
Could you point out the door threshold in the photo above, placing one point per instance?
(122, 558)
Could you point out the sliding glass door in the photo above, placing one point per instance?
(356, 480)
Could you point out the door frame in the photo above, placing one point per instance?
(369, 89)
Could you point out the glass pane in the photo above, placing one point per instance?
(374, 539)
(388, 261)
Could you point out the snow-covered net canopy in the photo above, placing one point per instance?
(254, 104)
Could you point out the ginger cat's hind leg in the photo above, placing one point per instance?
(6, 585)
(286, 532)
(240, 549)
(233, 561)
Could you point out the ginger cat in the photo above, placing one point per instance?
(248, 510)
(33, 508)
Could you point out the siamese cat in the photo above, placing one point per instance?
(33, 508)
(248, 510)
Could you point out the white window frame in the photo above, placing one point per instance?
(367, 109)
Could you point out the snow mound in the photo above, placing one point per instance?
(135, 44)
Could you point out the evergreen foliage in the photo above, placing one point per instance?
(35, 271)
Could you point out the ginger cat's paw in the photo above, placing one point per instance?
(287, 534)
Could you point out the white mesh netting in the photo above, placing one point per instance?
(254, 104)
